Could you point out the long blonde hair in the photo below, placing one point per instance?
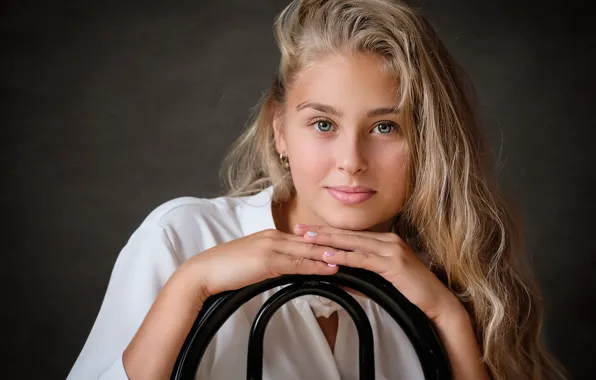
(454, 209)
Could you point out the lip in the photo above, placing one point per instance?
(351, 195)
(353, 189)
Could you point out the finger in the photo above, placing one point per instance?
(286, 264)
(348, 242)
(312, 251)
(276, 234)
(364, 260)
(390, 237)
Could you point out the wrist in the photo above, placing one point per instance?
(190, 283)
(454, 314)
(458, 337)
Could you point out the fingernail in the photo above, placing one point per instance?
(300, 225)
(332, 265)
(328, 253)
(311, 233)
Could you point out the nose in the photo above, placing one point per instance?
(350, 155)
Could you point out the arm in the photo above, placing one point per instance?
(457, 335)
(388, 255)
(143, 272)
(153, 350)
(152, 300)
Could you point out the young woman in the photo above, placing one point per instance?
(366, 153)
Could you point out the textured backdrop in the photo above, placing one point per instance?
(113, 107)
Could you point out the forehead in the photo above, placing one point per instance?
(345, 80)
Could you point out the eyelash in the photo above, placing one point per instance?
(315, 121)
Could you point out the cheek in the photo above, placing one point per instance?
(310, 158)
(390, 157)
(391, 167)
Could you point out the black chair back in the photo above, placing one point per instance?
(218, 308)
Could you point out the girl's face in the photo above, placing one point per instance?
(342, 135)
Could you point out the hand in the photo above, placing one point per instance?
(389, 256)
(254, 258)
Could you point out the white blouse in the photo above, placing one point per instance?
(294, 346)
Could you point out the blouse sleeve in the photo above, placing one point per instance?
(142, 268)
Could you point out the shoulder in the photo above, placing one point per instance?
(194, 224)
(188, 208)
(224, 209)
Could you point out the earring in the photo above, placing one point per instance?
(284, 161)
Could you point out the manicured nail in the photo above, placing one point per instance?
(332, 265)
(311, 233)
(328, 253)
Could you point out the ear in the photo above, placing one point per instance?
(280, 142)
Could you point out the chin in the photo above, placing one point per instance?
(357, 220)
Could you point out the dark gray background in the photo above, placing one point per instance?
(111, 108)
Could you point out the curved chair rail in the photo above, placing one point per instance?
(218, 308)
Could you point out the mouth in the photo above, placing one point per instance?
(351, 195)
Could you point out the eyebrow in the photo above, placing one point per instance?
(330, 110)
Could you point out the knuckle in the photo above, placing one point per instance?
(270, 233)
(362, 258)
(392, 237)
(299, 262)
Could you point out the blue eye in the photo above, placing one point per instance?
(384, 128)
(323, 125)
